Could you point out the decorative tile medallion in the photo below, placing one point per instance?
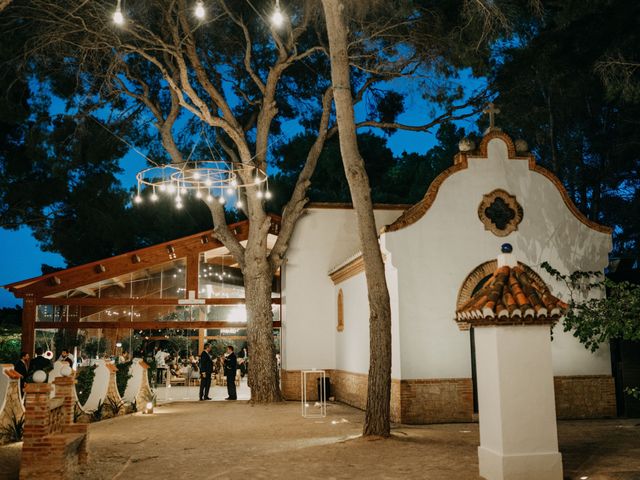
(500, 212)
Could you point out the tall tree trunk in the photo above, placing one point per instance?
(263, 368)
(377, 417)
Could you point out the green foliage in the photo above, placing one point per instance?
(84, 382)
(10, 317)
(96, 346)
(633, 392)
(114, 406)
(98, 414)
(123, 376)
(14, 429)
(10, 344)
(595, 319)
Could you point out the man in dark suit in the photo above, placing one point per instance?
(206, 368)
(22, 367)
(230, 367)
(40, 362)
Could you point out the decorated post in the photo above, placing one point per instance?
(511, 316)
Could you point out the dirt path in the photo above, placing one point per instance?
(234, 440)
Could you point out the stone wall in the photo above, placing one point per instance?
(10, 399)
(585, 396)
(449, 400)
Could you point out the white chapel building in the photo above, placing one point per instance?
(437, 254)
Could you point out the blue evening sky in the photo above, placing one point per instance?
(22, 256)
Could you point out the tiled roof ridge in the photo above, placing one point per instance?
(510, 294)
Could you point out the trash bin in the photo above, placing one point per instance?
(327, 388)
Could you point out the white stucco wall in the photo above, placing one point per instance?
(323, 238)
(434, 255)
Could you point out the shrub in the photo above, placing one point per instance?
(13, 431)
(84, 382)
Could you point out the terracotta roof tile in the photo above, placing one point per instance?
(510, 297)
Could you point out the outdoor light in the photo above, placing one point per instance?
(137, 199)
(221, 200)
(267, 194)
(118, 344)
(163, 187)
(199, 10)
(171, 188)
(198, 194)
(148, 408)
(178, 205)
(154, 197)
(230, 191)
(209, 198)
(239, 204)
(118, 18)
(259, 194)
(277, 18)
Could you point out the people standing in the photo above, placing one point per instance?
(230, 367)
(40, 362)
(206, 368)
(22, 367)
(66, 357)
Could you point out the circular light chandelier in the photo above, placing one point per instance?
(210, 180)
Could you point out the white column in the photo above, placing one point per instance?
(518, 433)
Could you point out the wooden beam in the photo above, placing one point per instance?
(29, 308)
(193, 272)
(122, 264)
(106, 302)
(145, 325)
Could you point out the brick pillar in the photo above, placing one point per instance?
(36, 428)
(64, 389)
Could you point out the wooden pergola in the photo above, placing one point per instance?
(134, 290)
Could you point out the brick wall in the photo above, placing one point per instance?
(585, 396)
(449, 400)
(439, 400)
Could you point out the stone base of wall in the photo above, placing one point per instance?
(438, 400)
(450, 400)
(585, 396)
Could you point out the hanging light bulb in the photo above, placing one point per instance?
(171, 188)
(154, 197)
(208, 182)
(277, 18)
(198, 194)
(178, 205)
(259, 194)
(209, 198)
(196, 175)
(221, 200)
(234, 183)
(199, 10)
(256, 180)
(118, 18)
(183, 190)
(230, 191)
(137, 198)
(239, 204)
(267, 194)
(163, 187)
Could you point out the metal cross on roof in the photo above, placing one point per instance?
(492, 110)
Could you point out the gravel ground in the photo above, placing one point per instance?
(211, 440)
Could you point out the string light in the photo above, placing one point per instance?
(230, 191)
(199, 10)
(209, 198)
(239, 204)
(171, 188)
(137, 198)
(154, 197)
(259, 194)
(267, 195)
(118, 18)
(198, 194)
(221, 200)
(277, 18)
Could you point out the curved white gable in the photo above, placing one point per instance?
(434, 255)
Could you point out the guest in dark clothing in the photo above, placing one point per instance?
(206, 368)
(230, 367)
(40, 363)
(22, 367)
(66, 357)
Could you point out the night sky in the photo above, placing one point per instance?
(22, 256)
